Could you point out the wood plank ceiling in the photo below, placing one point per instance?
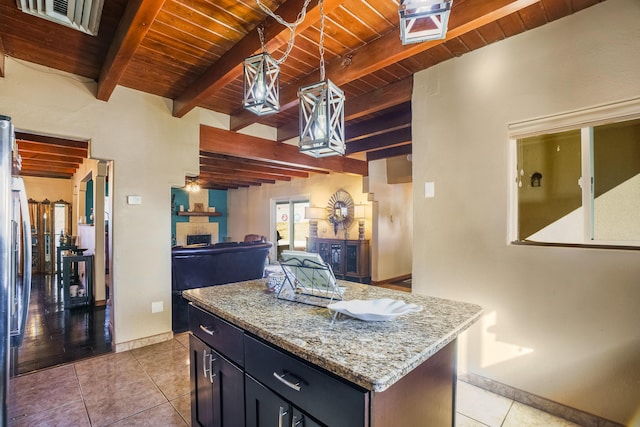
(191, 51)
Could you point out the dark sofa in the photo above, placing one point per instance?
(197, 266)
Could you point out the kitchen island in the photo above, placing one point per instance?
(299, 365)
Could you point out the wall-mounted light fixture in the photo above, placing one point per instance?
(422, 20)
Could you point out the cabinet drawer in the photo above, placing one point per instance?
(220, 335)
(329, 400)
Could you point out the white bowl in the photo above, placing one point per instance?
(374, 310)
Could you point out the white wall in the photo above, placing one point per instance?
(561, 323)
(151, 151)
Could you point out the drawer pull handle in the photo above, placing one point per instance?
(295, 386)
(207, 330)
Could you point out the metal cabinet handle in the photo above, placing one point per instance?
(281, 413)
(207, 330)
(204, 363)
(295, 386)
(295, 423)
(211, 373)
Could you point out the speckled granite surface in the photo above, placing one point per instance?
(373, 355)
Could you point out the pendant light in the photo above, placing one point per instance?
(261, 93)
(261, 82)
(321, 112)
(422, 20)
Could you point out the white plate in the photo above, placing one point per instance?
(374, 310)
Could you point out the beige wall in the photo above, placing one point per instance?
(561, 323)
(392, 232)
(39, 189)
(151, 151)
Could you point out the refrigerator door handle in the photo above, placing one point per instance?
(18, 185)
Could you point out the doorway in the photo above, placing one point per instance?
(291, 227)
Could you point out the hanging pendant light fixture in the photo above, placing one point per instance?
(261, 82)
(321, 112)
(422, 20)
(261, 71)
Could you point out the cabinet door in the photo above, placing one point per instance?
(336, 258)
(217, 388)
(264, 408)
(302, 420)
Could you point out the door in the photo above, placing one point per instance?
(217, 388)
(292, 228)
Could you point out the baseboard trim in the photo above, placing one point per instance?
(391, 280)
(549, 406)
(143, 342)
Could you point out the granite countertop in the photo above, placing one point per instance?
(373, 355)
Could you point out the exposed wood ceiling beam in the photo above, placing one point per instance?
(387, 50)
(227, 68)
(248, 168)
(132, 29)
(222, 172)
(388, 139)
(393, 120)
(34, 147)
(401, 150)
(41, 174)
(52, 140)
(241, 164)
(235, 144)
(368, 103)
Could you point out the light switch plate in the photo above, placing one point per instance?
(429, 189)
(157, 307)
(134, 200)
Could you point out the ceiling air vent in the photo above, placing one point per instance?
(83, 15)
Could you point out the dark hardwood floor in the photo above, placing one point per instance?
(53, 335)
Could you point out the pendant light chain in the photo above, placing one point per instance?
(321, 47)
(291, 26)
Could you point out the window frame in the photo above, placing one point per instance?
(584, 120)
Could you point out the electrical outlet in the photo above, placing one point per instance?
(157, 307)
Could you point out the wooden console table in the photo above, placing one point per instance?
(349, 259)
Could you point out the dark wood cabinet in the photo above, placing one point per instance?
(268, 386)
(217, 388)
(349, 259)
(265, 408)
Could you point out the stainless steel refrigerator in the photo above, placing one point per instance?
(15, 257)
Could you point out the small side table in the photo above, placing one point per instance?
(59, 250)
(77, 270)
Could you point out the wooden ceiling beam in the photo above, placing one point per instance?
(31, 163)
(393, 120)
(132, 29)
(236, 144)
(387, 50)
(401, 150)
(34, 147)
(52, 140)
(296, 169)
(246, 169)
(48, 157)
(376, 142)
(211, 171)
(229, 66)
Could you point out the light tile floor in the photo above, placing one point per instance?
(150, 387)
